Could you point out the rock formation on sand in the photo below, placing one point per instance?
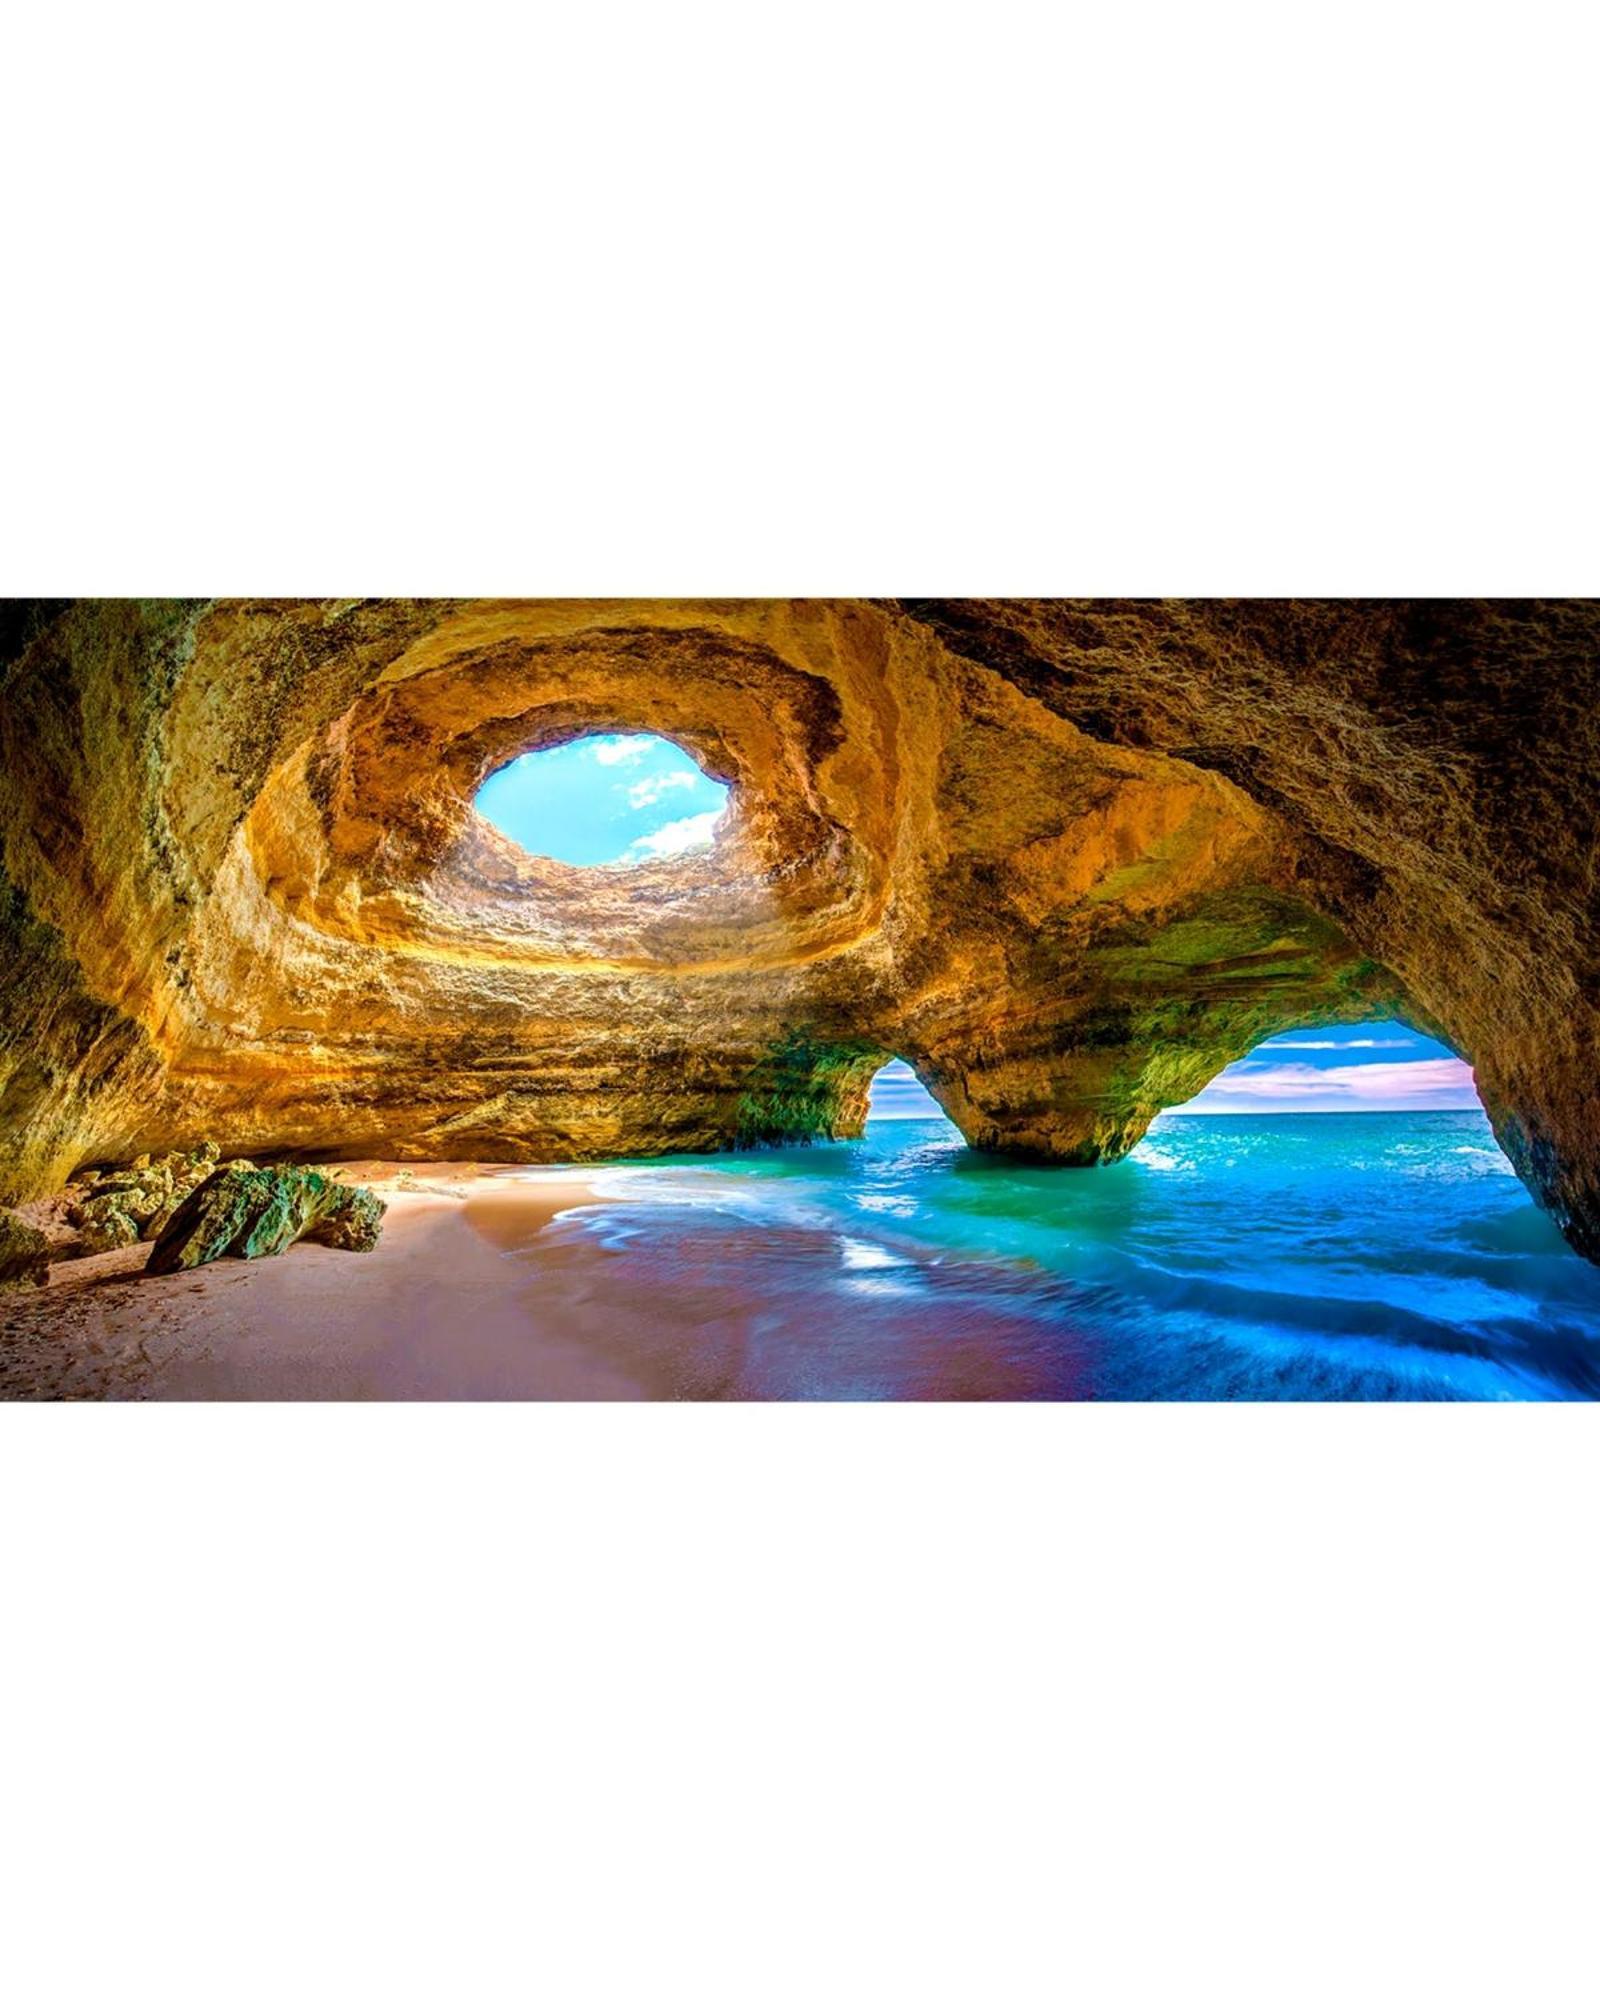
(112, 1209)
(244, 1210)
(1068, 859)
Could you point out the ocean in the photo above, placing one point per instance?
(1326, 1256)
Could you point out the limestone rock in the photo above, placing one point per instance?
(107, 1228)
(24, 1252)
(248, 1211)
(114, 1209)
(1069, 858)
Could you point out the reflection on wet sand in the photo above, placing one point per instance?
(779, 1313)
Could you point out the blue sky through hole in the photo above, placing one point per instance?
(1376, 1066)
(605, 799)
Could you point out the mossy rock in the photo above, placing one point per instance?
(106, 1227)
(249, 1211)
(804, 1089)
(24, 1252)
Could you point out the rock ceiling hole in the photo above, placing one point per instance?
(605, 801)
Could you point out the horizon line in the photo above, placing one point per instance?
(1326, 1111)
(1182, 1111)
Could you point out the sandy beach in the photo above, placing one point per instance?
(901, 1268)
(487, 1285)
(432, 1313)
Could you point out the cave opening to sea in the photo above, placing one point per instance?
(1364, 1066)
(899, 1096)
(1332, 1217)
(605, 800)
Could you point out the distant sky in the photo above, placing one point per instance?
(896, 1093)
(1379, 1066)
(604, 799)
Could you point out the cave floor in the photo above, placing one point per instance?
(477, 1291)
(439, 1311)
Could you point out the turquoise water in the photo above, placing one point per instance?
(1330, 1256)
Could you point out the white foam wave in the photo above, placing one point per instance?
(859, 1256)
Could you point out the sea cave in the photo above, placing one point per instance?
(317, 882)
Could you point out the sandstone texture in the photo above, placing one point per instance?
(1067, 858)
(110, 1210)
(24, 1252)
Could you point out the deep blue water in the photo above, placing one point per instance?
(1327, 1256)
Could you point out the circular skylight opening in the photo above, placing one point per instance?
(605, 801)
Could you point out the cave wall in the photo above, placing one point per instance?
(1436, 764)
(1067, 858)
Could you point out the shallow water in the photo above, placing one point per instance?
(1328, 1256)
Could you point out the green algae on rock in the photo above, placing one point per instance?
(244, 1210)
(803, 1090)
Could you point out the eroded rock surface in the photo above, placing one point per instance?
(111, 1210)
(24, 1252)
(243, 1210)
(1069, 859)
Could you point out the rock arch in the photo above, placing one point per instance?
(1072, 858)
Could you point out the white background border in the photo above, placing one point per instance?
(798, 1701)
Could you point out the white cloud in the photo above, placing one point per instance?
(649, 790)
(678, 836)
(1356, 1086)
(621, 749)
(1393, 1042)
